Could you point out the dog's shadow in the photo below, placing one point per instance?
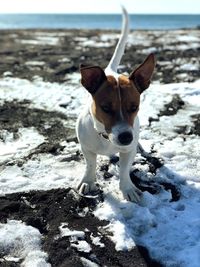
(149, 181)
(153, 183)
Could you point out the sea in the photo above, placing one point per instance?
(96, 21)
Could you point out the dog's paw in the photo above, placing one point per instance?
(88, 188)
(131, 192)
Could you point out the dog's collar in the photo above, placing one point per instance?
(98, 126)
(104, 135)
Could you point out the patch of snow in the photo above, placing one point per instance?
(41, 40)
(109, 37)
(94, 43)
(182, 46)
(187, 38)
(65, 231)
(168, 229)
(35, 63)
(96, 240)
(21, 242)
(7, 74)
(45, 171)
(138, 38)
(12, 149)
(46, 95)
(44, 38)
(164, 63)
(182, 76)
(76, 238)
(167, 37)
(104, 41)
(149, 50)
(88, 263)
(189, 67)
(82, 246)
(64, 60)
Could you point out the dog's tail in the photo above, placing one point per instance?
(119, 50)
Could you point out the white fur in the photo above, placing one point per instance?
(89, 131)
(119, 50)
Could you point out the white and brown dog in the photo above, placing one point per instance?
(110, 123)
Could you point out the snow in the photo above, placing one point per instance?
(84, 42)
(82, 246)
(170, 230)
(88, 263)
(187, 38)
(65, 231)
(35, 63)
(43, 38)
(189, 67)
(96, 240)
(65, 59)
(170, 40)
(12, 149)
(21, 242)
(45, 171)
(50, 96)
(75, 236)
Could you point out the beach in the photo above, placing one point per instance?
(40, 160)
(52, 54)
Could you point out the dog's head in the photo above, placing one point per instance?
(116, 101)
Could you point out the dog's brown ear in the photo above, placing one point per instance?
(142, 75)
(92, 77)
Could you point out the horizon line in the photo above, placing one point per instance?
(89, 13)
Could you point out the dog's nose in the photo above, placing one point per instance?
(125, 138)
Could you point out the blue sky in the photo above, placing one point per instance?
(101, 6)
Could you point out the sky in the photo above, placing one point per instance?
(101, 6)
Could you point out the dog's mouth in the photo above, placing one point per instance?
(123, 139)
(121, 135)
(104, 135)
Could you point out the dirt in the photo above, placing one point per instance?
(46, 210)
(15, 115)
(172, 107)
(190, 130)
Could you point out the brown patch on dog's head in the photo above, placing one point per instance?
(130, 99)
(106, 104)
(116, 101)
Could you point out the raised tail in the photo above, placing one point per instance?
(119, 50)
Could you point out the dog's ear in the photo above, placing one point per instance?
(142, 75)
(92, 77)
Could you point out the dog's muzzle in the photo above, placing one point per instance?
(125, 138)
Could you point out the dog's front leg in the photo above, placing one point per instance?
(87, 183)
(129, 190)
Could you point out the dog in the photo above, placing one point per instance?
(110, 124)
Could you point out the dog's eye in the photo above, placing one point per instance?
(107, 109)
(132, 109)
